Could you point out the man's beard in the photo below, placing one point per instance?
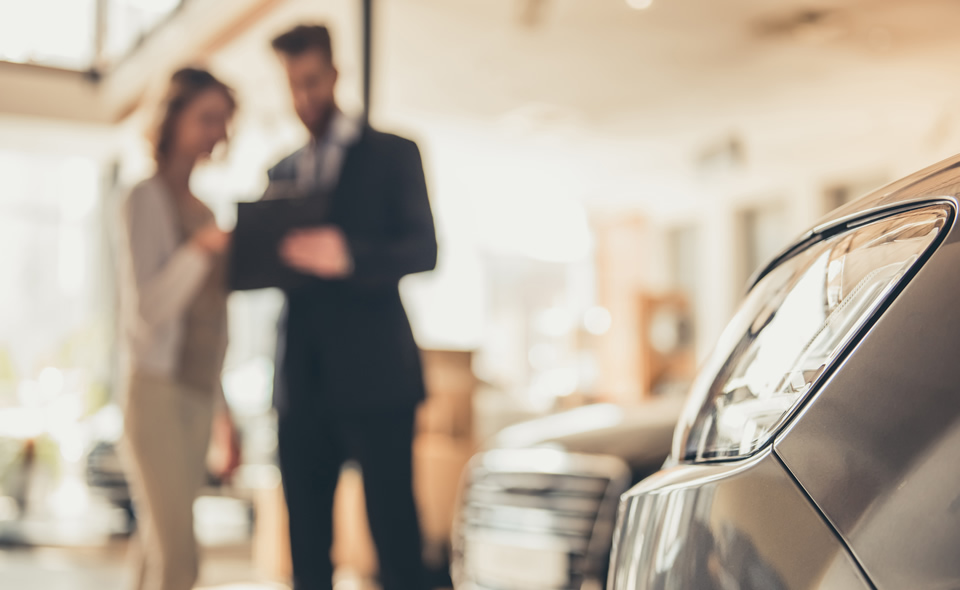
(322, 125)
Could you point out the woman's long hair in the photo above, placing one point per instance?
(185, 86)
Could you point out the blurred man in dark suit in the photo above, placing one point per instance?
(348, 374)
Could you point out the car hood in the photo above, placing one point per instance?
(940, 181)
(640, 435)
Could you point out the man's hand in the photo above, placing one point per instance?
(321, 251)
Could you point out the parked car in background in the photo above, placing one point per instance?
(105, 476)
(537, 507)
(820, 444)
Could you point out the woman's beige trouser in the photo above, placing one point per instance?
(167, 432)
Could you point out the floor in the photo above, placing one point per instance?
(87, 558)
(225, 568)
(104, 568)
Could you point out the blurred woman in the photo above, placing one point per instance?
(175, 327)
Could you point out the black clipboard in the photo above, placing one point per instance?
(254, 260)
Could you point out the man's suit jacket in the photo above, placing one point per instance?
(346, 345)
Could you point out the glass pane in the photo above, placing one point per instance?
(129, 21)
(49, 32)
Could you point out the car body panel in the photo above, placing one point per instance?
(878, 446)
(740, 525)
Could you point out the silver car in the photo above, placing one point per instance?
(820, 444)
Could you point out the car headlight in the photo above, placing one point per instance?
(795, 322)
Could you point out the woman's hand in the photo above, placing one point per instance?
(211, 239)
(228, 455)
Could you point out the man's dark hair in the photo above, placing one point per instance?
(304, 38)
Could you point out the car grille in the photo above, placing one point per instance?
(104, 469)
(536, 506)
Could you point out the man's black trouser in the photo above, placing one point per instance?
(313, 447)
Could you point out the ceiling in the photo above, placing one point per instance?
(613, 67)
(654, 93)
(683, 68)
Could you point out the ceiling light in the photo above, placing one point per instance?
(639, 4)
